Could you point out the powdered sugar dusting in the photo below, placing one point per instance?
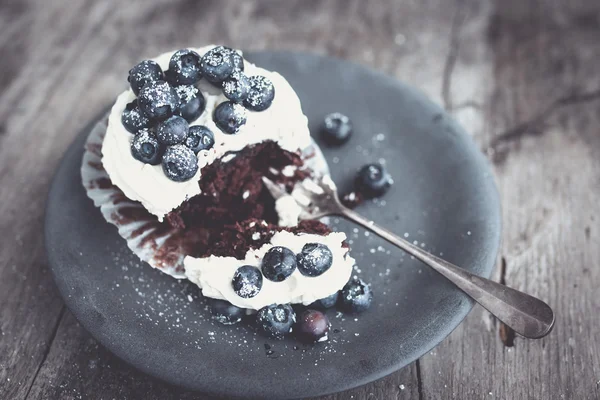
(186, 92)
(258, 86)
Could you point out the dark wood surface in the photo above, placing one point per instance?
(523, 76)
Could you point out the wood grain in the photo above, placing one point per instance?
(522, 76)
(541, 116)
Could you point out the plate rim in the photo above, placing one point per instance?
(77, 147)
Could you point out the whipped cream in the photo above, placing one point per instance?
(283, 122)
(288, 210)
(214, 274)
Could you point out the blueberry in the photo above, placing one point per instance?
(191, 102)
(337, 128)
(261, 93)
(247, 281)
(173, 130)
(184, 67)
(217, 64)
(145, 72)
(314, 260)
(373, 180)
(199, 138)
(132, 118)
(225, 312)
(356, 296)
(229, 117)
(238, 60)
(158, 100)
(326, 302)
(179, 163)
(313, 326)
(145, 147)
(236, 87)
(278, 263)
(276, 321)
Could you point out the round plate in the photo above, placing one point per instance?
(443, 198)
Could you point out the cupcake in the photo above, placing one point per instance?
(177, 167)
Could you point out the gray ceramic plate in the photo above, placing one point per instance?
(443, 197)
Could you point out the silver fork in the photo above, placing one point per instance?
(526, 315)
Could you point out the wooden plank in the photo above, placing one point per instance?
(31, 141)
(541, 122)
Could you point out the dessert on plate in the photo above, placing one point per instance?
(177, 167)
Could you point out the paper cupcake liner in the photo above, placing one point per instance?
(144, 234)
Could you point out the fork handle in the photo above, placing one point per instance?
(525, 314)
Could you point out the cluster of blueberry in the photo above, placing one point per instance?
(278, 264)
(168, 101)
(311, 323)
(277, 320)
(372, 180)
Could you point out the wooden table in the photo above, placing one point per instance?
(523, 76)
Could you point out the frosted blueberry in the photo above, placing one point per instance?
(143, 73)
(179, 163)
(199, 138)
(184, 67)
(158, 100)
(229, 117)
(146, 148)
(247, 281)
(261, 93)
(278, 263)
(276, 320)
(314, 259)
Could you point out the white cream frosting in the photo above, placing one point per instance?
(214, 274)
(283, 122)
(288, 211)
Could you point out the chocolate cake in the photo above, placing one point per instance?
(235, 213)
(180, 175)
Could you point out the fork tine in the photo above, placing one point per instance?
(273, 188)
